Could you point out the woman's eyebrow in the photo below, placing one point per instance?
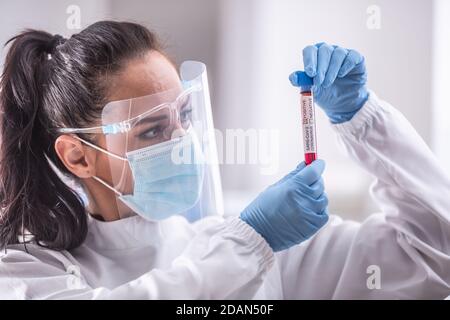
(151, 119)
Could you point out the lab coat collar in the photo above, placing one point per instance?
(131, 232)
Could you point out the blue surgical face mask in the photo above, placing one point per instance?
(168, 177)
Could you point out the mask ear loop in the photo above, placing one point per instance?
(108, 153)
(122, 175)
(107, 186)
(100, 149)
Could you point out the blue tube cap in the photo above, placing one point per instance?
(303, 80)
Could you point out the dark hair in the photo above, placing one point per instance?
(49, 82)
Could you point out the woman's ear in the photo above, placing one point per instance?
(77, 157)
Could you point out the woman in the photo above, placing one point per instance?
(78, 105)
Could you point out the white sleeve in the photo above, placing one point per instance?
(402, 252)
(230, 250)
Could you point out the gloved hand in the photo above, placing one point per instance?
(291, 210)
(339, 80)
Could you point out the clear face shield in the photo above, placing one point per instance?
(161, 150)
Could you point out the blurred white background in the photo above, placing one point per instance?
(251, 46)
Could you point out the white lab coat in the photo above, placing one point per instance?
(406, 246)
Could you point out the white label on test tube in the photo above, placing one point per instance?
(309, 123)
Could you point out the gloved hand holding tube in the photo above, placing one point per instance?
(295, 208)
(339, 80)
(291, 210)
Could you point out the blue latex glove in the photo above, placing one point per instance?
(339, 80)
(291, 210)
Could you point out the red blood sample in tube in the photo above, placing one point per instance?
(308, 124)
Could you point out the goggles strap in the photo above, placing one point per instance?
(122, 175)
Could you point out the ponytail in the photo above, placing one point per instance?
(49, 82)
(33, 199)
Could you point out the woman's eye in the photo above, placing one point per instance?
(150, 133)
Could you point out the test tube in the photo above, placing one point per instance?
(308, 117)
